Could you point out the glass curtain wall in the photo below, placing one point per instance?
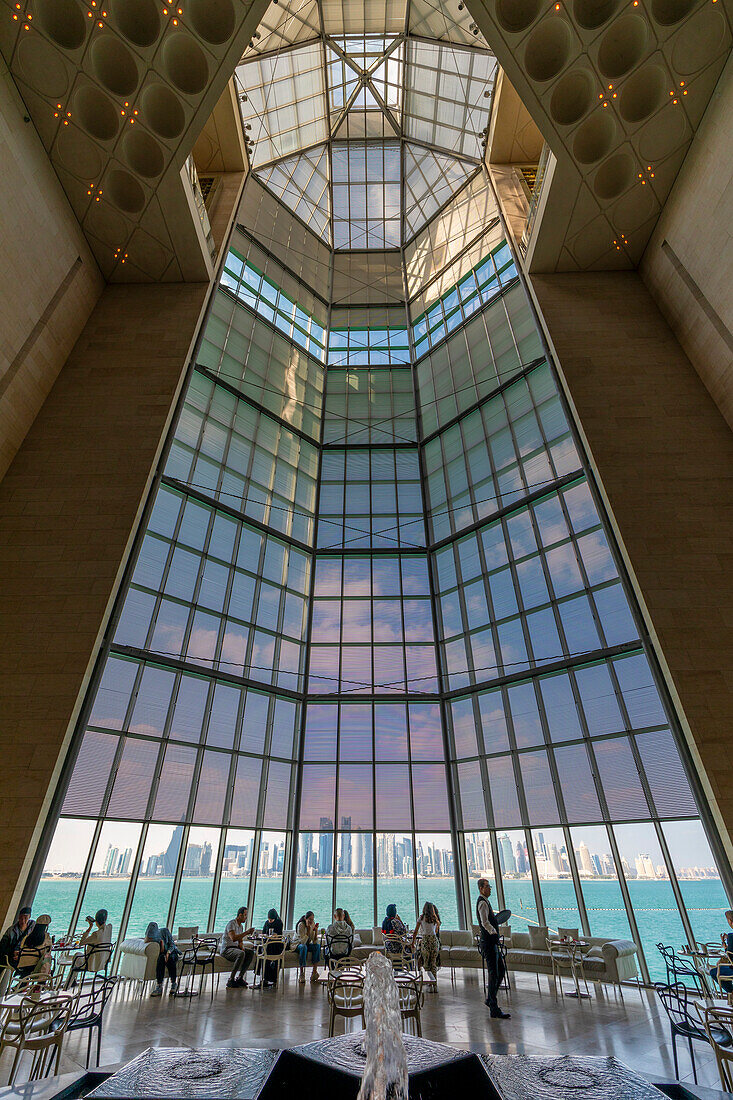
(375, 642)
(570, 790)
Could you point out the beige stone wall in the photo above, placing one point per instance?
(664, 455)
(49, 280)
(688, 263)
(68, 505)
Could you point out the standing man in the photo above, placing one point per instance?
(237, 950)
(489, 926)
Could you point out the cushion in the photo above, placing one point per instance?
(521, 940)
(529, 958)
(446, 938)
(458, 955)
(364, 934)
(594, 965)
(505, 930)
(594, 953)
(462, 938)
(538, 937)
(573, 933)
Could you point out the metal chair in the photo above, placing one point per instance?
(38, 1026)
(677, 970)
(717, 1020)
(198, 959)
(339, 941)
(411, 997)
(346, 999)
(676, 1004)
(88, 1010)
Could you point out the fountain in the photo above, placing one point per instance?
(385, 1070)
(379, 1063)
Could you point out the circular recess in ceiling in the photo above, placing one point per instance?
(622, 45)
(63, 21)
(663, 134)
(41, 67)
(96, 113)
(594, 138)
(138, 20)
(213, 20)
(591, 14)
(516, 15)
(548, 49)
(162, 111)
(78, 155)
(572, 98)
(643, 93)
(124, 191)
(699, 41)
(148, 254)
(114, 66)
(668, 12)
(613, 177)
(142, 153)
(593, 242)
(184, 63)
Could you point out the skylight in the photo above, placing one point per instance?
(365, 133)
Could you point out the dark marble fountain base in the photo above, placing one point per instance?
(331, 1069)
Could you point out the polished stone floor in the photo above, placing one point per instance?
(634, 1030)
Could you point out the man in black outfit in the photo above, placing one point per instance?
(489, 926)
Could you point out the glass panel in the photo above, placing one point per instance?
(604, 903)
(555, 879)
(355, 877)
(194, 895)
(111, 870)
(235, 872)
(655, 909)
(154, 885)
(62, 872)
(700, 885)
(517, 879)
(314, 881)
(395, 876)
(436, 875)
(270, 863)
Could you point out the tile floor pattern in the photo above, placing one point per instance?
(634, 1030)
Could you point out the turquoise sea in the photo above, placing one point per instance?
(656, 914)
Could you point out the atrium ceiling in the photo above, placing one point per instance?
(365, 120)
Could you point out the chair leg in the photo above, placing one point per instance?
(692, 1059)
(99, 1043)
(674, 1055)
(16, 1063)
(89, 1045)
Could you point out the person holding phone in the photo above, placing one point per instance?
(238, 948)
(307, 932)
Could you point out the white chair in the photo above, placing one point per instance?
(411, 997)
(38, 1026)
(346, 999)
(270, 949)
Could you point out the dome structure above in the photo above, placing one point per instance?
(365, 119)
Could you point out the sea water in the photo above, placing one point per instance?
(657, 919)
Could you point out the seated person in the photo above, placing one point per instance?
(167, 958)
(236, 950)
(273, 926)
(339, 935)
(307, 932)
(98, 935)
(11, 943)
(348, 920)
(723, 973)
(393, 925)
(34, 960)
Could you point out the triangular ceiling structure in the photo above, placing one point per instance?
(365, 136)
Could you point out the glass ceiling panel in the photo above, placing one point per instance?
(447, 104)
(301, 182)
(430, 180)
(430, 19)
(286, 101)
(285, 24)
(366, 195)
(321, 77)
